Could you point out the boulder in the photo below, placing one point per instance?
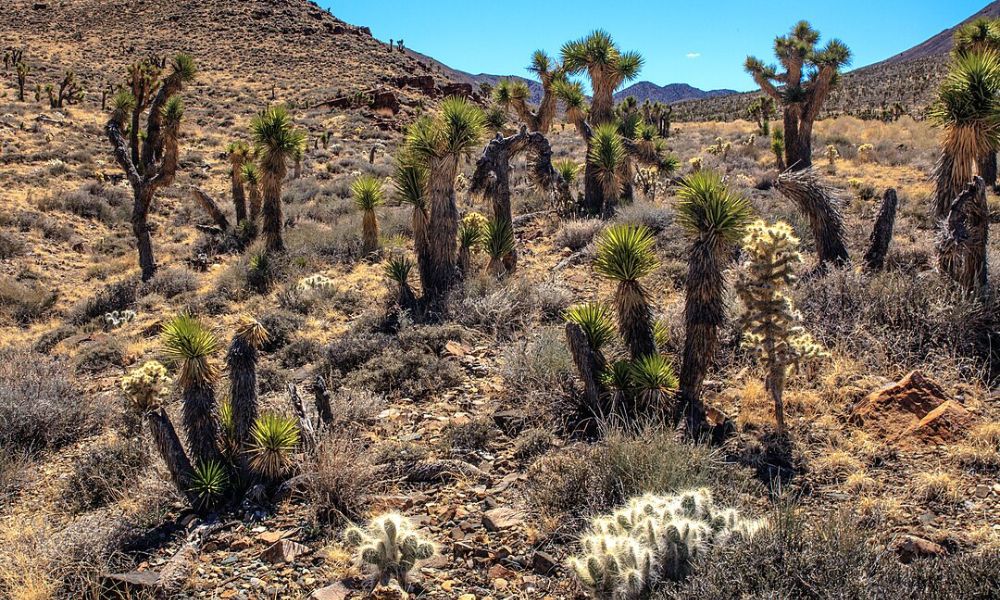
(913, 408)
(501, 518)
(385, 100)
(911, 547)
(945, 424)
(462, 90)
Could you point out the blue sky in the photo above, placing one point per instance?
(703, 44)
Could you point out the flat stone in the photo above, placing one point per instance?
(284, 551)
(502, 518)
(543, 563)
(335, 591)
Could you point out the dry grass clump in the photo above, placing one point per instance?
(25, 302)
(836, 464)
(936, 487)
(981, 448)
(578, 233)
(861, 483)
(340, 478)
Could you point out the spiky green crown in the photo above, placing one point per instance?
(567, 169)
(209, 482)
(708, 207)
(173, 112)
(252, 332)
(366, 191)
(251, 173)
(472, 229)
(409, 180)
(571, 94)
(607, 151)
(541, 64)
(455, 131)
(625, 253)
(186, 342)
(495, 118)
(981, 34)
(653, 373)
(594, 318)
(398, 268)
(498, 239)
(273, 131)
(969, 94)
(273, 438)
(123, 102)
(597, 51)
(238, 153)
(183, 66)
(618, 375)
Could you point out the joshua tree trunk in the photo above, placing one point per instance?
(420, 243)
(241, 359)
(593, 191)
(492, 175)
(442, 243)
(635, 320)
(818, 203)
(369, 232)
(962, 242)
(950, 177)
(255, 204)
(878, 246)
(239, 195)
(168, 445)
(988, 169)
(589, 365)
(274, 174)
(141, 230)
(704, 313)
(321, 398)
(201, 422)
(213, 210)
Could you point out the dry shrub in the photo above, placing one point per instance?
(25, 302)
(340, 478)
(936, 487)
(117, 296)
(539, 374)
(578, 233)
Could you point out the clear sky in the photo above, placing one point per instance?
(700, 43)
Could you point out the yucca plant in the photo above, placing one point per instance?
(437, 144)
(241, 359)
(595, 319)
(626, 254)
(589, 328)
(251, 177)
(239, 155)
(146, 389)
(409, 180)
(653, 382)
(968, 109)
(229, 446)
(192, 348)
(607, 157)
(778, 147)
(980, 35)
(810, 73)
(568, 169)
(209, 484)
(616, 380)
(715, 219)
(367, 193)
(277, 142)
(495, 119)
(471, 232)
(149, 160)
(273, 438)
(515, 93)
(260, 271)
(498, 238)
(397, 269)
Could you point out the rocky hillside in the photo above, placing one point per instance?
(670, 93)
(940, 44)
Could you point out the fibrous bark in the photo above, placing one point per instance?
(988, 168)
(881, 236)
(822, 209)
(213, 210)
(169, 447)
(589, 366)
(963, 238)
(704, 313)
(201, 423)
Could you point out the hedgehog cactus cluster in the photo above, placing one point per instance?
(653, 538)
(391, 544)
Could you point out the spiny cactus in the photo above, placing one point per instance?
(146, 386)
(810, 74)
(772, 326)
(392, 545)
(866, 153)
(115, 318)
(653, 538)
(832, 154)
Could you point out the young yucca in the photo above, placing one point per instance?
(594, 318)
(568, 169)
(398, 268)
(260, 271)
(715, 218)
(367, 193)
(273, 438)
(239, 155)
(607, 156)
(209, 483)
(625, 254)
(498, 238)
(471, 233)
(251, 176)
(653, 381)
(496, 119)
(192, 347)
(277, 142)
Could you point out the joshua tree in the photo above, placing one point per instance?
(22, 71)
(367, 193)
(810, 73)
(69, 92)
(251, 177)
(398, 270)
(492, 178)
(606, 163)
(515, 94)
(437, 144)
(625, 254)
(277, 142)
(822, 209)
(771, 324)
(240, 155)
(140, 82)
(761, 111)
(589, 328)
(778, 147)
(154, 165)
(608, 68)
(410, 182)
(146, 389)
(241, 360)
(715, 218)
(981, 35)
(962, 241)
(968, 109)
(192, 348)
(273, 438)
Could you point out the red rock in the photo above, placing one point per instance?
(501, 518)
(914, 407)
(284, 551)
(910, 547)
(945, 424)
(335, 591)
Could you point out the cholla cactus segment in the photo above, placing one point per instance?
(146, 386)
(115, 318)
(653, 538)
(316, 282)
(391, 544)
(866, 153)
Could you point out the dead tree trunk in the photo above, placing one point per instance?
(822, 208)
(321, 397)
(963, 237)
(588, 365)
(213, 210)
(878, 246)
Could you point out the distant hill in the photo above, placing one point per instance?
(940, 44)
(670, 93)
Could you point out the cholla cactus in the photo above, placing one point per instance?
(653, 538)
(146, 386)
(316, 283)
(771, 323)
(391, 544)
(832, 154)
(115, 319)
(695, 163)
(866, 153)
